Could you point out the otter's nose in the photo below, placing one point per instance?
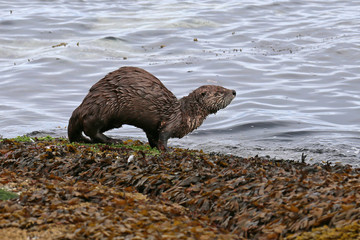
(234, 92)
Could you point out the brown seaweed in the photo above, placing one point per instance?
(87, 192)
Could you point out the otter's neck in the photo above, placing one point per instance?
(192, 115)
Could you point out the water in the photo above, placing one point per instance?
(294, 65)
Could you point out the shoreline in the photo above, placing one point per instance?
(223, 196)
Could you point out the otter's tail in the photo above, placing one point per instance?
(75, 129)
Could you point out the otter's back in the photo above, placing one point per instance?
(132, 96)
(135, 81)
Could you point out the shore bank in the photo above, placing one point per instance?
(76, 191)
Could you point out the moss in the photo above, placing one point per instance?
(26, 138)
(6, 195)
(135, 145)
(23, 138)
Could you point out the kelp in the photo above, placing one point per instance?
(95, 192)
(351, 231)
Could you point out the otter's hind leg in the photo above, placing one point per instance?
(102, 138)
(92, 131)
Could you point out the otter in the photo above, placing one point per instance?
(133, 96)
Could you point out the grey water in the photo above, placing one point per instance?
(294, 64)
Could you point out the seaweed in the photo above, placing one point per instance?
(81, 191)
(7, 195)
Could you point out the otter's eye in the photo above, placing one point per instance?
(203, 94)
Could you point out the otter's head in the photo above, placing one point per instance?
(213, 98)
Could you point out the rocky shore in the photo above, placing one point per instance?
(77, 191)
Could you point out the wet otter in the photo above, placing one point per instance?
(133, 96)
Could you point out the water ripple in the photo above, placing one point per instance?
(294, 65)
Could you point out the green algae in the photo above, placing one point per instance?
(6, 195)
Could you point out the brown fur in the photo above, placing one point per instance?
(133, 96)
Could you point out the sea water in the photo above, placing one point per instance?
(294, 65)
